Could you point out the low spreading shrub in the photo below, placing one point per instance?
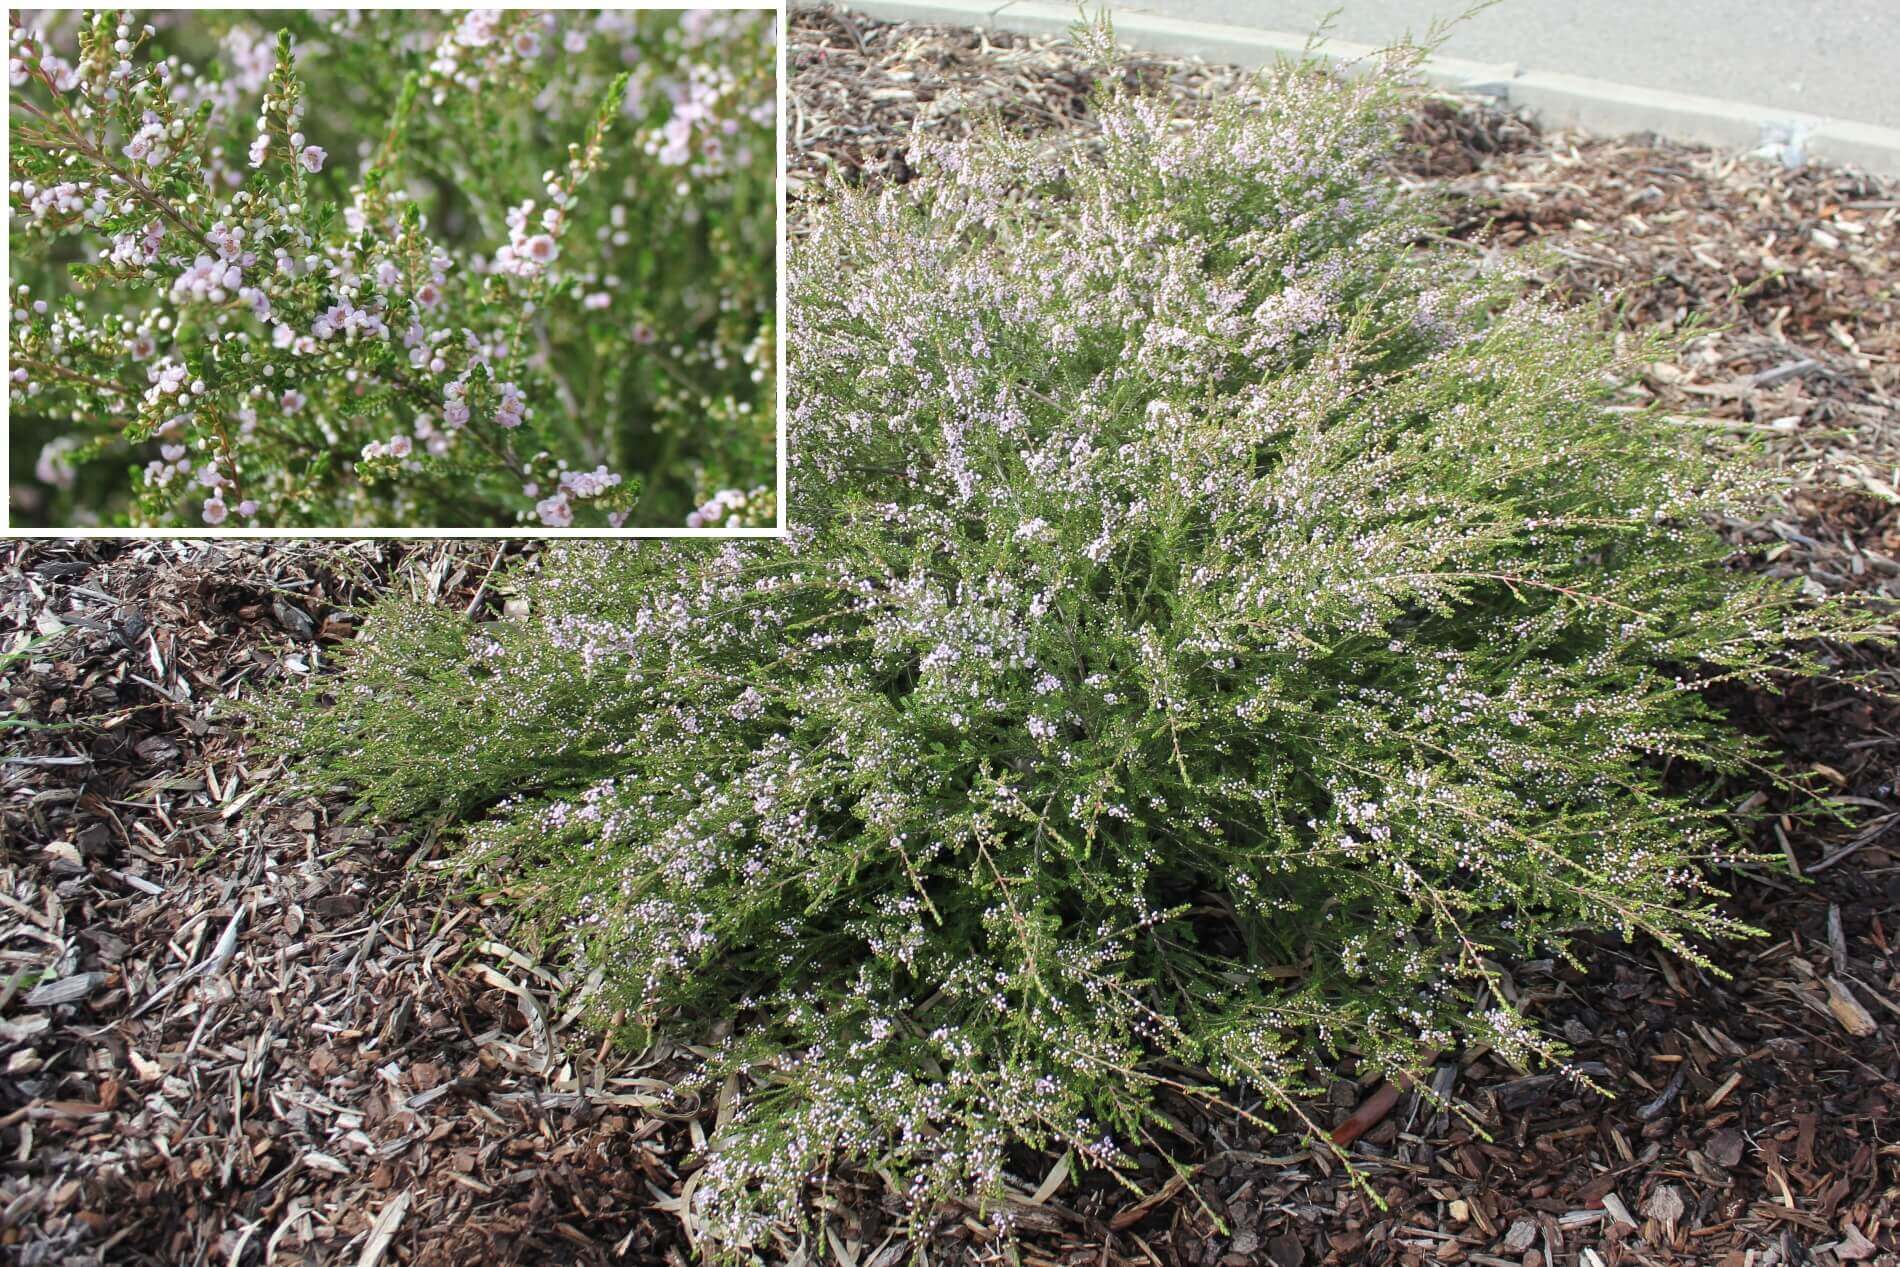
(1218, 627)
(394, 267)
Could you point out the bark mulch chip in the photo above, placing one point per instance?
(240, 1027)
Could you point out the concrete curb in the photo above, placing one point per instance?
(1595, 105)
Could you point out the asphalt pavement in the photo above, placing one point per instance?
(1836, 58)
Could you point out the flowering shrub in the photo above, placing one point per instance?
(394, 267)
(1214, 631)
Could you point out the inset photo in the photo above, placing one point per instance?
(382, 269)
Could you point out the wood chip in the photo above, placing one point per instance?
(384, 1231)
(65, 990)
(1847, 1009)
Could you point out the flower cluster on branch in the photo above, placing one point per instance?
(393, 267)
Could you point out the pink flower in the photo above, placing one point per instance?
(400, 446)
(511, 408)
(228, 240)
(428, 294)
(292, 401)
(207, 279)
(63, 74)
(55, 465)
(215, 511)
(589, 483)
(312, 158)
(247, 508)
(540, 248)
(478, 28)
(555, 511)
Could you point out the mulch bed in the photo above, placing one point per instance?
(239, 1027)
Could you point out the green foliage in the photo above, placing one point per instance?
(1216, 631)
(255, 277)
